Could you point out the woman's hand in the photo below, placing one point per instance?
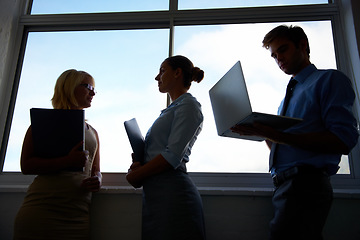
(92, 184)
(137, 173)
(77, 158)
(132, 177)
(30, 164)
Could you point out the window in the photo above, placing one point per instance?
(203, 4)
(123, 52)
(94, 6)
(215, 49)
(124, 68)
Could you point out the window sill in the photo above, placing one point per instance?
(209, 184)
(204, 191)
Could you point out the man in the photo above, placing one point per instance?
(304, 156)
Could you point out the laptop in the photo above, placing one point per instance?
(231, 106)
(55, 132)
(136, 139)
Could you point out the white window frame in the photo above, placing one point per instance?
(222, 183)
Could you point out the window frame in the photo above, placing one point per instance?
(169, 19)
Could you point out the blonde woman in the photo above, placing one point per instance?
(56, 205)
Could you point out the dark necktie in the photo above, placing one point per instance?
(289, 91)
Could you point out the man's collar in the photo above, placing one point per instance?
(303, 74)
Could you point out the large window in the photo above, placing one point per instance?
(124, 68)
(123, 52)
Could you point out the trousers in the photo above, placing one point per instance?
(301, 206)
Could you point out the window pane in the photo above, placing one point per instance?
(200, 4)
(215, 49)
(96, 6)
(123, 66)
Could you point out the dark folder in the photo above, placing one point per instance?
(136, 139)
(55, 132)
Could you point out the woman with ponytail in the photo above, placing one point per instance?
(172, 206)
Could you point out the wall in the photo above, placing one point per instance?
(9, 16)
(356, 17)
(227, 217)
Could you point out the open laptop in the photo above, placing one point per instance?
(231, 106)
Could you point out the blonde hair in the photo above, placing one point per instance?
(64, 97)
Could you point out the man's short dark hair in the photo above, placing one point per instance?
(292, 33)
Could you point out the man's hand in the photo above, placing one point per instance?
(324, 141)
(258, 129)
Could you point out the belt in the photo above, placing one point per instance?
(280, 178)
